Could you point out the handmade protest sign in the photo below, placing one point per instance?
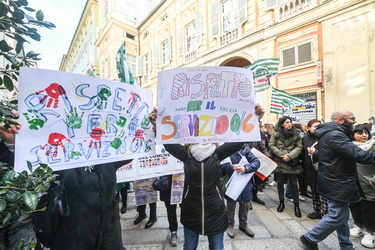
(72, 120)
(206, 105)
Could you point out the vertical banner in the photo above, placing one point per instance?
(144, 193)
(71, 120)
(206, 105)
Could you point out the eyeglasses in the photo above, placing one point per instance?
(351, 118)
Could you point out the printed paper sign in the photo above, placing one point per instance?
(177, 189)
(159, 164)
(267, 165)
(206, 105)
(71, 120)
(144, 193)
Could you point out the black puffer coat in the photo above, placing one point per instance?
(94, 221)
(309, 172)
(337, 175)
(203, 209)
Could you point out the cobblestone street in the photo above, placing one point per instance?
(273, 230)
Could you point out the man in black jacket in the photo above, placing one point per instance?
(337, 178)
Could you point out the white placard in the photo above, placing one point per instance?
(206, 105)
(70, 120)
(238, 182)
(267, 165)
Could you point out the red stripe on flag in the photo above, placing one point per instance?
(276, 105)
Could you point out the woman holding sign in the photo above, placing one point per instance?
(286, 146)
(251, 165)
(203, 210)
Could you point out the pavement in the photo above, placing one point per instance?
(273, 230)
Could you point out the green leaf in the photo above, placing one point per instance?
(29, 17)
(4, 46)
(3, 205)
(32, 54)
(45, 24)
(23, 3)
(22, 177)
(18, 14)
(8, 176)
(16, 20)
(3, 191)
(39, 15)
(20, 38)
(3, 9)
(34, 35)
(41, 188)
(21, 245)
(8, 83)
(6, 219)
(19, 47)
(13, 196)
(29, 9)
(30, 200)
(30, 166)
(39, 171)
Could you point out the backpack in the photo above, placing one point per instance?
(45, 222)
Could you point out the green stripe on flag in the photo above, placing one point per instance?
(281, 101)
(124, 73)
(262, 70)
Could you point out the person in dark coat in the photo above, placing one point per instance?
(286, 146)
(94, 220)
(203, 210)
(247, 195)
(337, 178)
(310, 172)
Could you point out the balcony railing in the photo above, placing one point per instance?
(131, 21)
(190, 56)
(292, 8)
(229, 37)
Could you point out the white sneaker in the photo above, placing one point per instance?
(368, 240)
(288, 199)
(273, 183)
(355, 232)
(291, 199)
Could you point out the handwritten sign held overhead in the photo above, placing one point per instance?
(206, 105)
(71, 120)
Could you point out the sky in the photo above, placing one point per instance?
(65, 14)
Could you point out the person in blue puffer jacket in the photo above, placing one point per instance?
(244, 199)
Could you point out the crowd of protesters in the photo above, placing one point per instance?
(335, 160)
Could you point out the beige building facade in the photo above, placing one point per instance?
(326, 47)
